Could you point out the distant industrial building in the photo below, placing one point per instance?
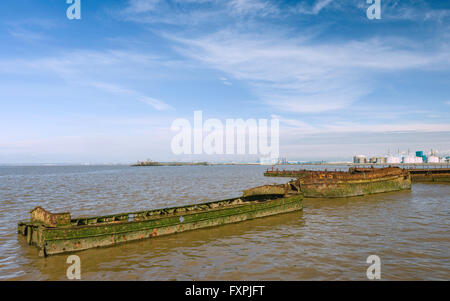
(418, 158)
(410, 159)
(360, 159)
(283, 160)
(377, 160)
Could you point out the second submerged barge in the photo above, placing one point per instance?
(335, 184)
(435, 175)
(59, 233)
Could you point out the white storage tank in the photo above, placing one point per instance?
(418, 160)
(393, 160)
(433, 159)
(409, 160)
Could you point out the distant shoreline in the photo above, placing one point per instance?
(152, 163)
(155, 164)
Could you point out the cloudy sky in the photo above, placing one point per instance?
(107, 88)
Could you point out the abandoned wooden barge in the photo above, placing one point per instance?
(335, 184)
(435, 175)
(59, 233)
(355, 182)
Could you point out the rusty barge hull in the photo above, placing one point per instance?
(51, 234)
(436, 175)
(339, 189)
(349, 184)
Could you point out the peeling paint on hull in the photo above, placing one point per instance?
(102, 231)
(354, 183)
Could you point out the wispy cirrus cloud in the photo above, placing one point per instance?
(313, 9)
(261, 7)
(301, 128)
(27, 35)
(300, 76)
(418, 11)
(102, 70)
(141, 6)
(179, 12)
(196, 12)
(133, 94)
(291, 74)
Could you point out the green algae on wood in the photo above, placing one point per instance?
(58, 233)
(354, 183)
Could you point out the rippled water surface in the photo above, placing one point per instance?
(329, 239)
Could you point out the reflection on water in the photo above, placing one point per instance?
(330, 239)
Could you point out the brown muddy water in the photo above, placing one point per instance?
(328, 240)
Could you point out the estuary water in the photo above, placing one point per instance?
(328, 240)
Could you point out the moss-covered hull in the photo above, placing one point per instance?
(435, 175)
(349, 188)
(104, 231)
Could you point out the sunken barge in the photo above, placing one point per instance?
(355, 182)
(338, 184)
(434, 175)
(431, 175)
(60, 233)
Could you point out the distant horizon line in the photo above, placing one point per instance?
(185, 161)
(214, 163)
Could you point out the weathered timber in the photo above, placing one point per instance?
(53, 233)
(323, 184)
(436, 175)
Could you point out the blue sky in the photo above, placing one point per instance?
(106, 88)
